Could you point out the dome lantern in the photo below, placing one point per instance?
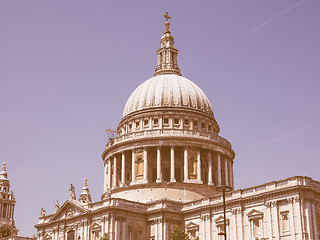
(167, 53)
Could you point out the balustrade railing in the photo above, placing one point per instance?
(168, 132)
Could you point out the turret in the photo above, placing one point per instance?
(85, 196)
(7, 204)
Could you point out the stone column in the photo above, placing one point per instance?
(219, 168)
(172, 167)
(165, 229)
(198, 166)
(159, 165)
(210, 182)
(269, 219)
(123, 169)
(114, 185)
(315, 227)
(145, 165)
(109, 174)
(291, 214)
(116, 228)
(275, 216)
(226, 173)
(298, 213)
(310, 229)
(233, 223)
(133, 168)
(231, 174)
(111, 231)
(105, 176)
(124, 234)
(185, 165)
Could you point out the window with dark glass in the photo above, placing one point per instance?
(195, 123)
(156, 121)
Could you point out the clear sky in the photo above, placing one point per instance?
(67, 69)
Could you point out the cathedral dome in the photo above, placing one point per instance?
(168, 90)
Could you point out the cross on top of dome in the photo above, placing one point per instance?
(167, 23)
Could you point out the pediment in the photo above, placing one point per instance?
(47, 236)
(96, 226)
(69, 209)
(255, 214)
(220, 220)
(192, 225)
(136, 227)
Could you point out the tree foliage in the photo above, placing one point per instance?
(179, 234)
(105, 237)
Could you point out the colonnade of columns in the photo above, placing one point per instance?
(6, 211)
(223, 171)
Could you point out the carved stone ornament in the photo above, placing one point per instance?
(296, 199)
(235, 211)
(72, 193)
(290, 200)
(69, 212)
(205, 217)
(42, 212)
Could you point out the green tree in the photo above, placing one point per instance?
(179, 234)
(105, 237)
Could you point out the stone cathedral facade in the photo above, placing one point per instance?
(162, 170)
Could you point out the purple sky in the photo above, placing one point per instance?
(68, 67)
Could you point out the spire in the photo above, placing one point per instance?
(167, 53)
(4, 167)
(85, 196)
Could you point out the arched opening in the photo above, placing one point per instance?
(70, 235)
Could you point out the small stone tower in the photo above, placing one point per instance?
(7, 203)
(85, 196)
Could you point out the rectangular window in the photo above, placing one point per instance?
(285, 221)
(256, 227)
(137, 124)
(166, 121)
(176, 121)
(156, 122)
(186, 122)
(146, 122)
(203, 125)
(195, 123)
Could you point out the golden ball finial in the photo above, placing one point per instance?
(4, 166)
